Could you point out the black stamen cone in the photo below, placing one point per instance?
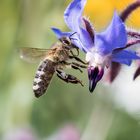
(92, 74)
(92, 85)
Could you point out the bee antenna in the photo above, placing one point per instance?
(73, 38)
(70, 37)
(72, 34)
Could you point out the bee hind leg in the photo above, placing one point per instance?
(68, 78)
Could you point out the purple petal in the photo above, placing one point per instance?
(86, 39)
(85, 42)
(125, 57)
(89, 28)
(67, 132)
(73, 14)
(137, 73)
(60, 34)
(113, 37)
(113, 71)
(20, 134)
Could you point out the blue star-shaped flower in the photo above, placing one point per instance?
(101, 48)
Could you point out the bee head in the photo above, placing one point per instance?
(65, 41)
(68, 44)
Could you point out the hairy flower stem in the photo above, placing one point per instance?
(134, 42)
(129, 44)
(129, 9)
(134, 34)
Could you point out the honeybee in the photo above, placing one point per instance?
(53, 60)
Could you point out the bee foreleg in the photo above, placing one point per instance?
(68, 78)
(79, 65)
(73, 53)
(77, 59)
(73, 65)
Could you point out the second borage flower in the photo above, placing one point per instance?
(101, 48)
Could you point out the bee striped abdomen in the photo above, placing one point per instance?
(43, 77)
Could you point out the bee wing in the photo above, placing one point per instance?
(32, 55)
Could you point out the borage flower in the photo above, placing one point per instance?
(101, 48)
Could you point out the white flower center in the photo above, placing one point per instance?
(96, 59)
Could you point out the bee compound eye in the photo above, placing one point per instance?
(66, 42)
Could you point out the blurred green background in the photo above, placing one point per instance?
(26, 23)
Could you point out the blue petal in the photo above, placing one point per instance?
(73, 18)
(125, 57)
(124, 61)
(79, 45)
(113, 37)
(75, 39)
(86, 39)
(103, 46)
(60, 34)
(73, 14)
